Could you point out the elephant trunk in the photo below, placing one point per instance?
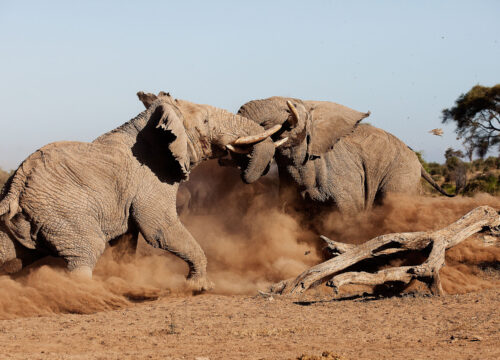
(260, 160)
(261, 154)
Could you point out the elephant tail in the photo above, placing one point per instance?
(9, 205)
(9, 196)
(435, 185)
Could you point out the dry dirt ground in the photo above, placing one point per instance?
(46, 315)
(243, 327)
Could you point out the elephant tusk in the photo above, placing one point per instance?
(253, 139)
(280, 142)
(237, 149)
(295, 114)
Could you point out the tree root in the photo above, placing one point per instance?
(346, 255)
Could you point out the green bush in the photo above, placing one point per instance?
(488, 183)
(480, 175)
(449, 188)
(478, 165)
(436, 169)
(492, 162)
(425, 165)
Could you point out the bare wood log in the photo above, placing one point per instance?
(439, 241)
(335, 247)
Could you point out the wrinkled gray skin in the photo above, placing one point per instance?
(69, 199)
(330, 159)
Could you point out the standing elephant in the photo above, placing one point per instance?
(69, 199)
(332, 159)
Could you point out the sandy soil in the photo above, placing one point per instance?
(243, 327)
(44, 314)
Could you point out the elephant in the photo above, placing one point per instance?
(331, 159)
(68, 199)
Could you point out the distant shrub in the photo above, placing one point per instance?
(488, 183)
(483, 165)
(449, 188)
(480, 175)
(436, 169)
(425, 165)
(492, 162)
(478, 165)
(4, 176)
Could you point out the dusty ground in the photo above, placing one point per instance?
(243, 327)
(46, 315)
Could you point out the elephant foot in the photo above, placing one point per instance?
(199, 284)
(82, 273)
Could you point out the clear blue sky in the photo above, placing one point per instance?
(69, 70)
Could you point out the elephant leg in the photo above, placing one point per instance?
(79, 246)
(7, 253)
(82, 261)
(168, 233)
(349, 195)
(14, 256)
(176, 239)
(404, 180)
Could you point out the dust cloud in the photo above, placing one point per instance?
(250, 243)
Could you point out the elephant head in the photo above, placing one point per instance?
(313, 127)
(197, 132)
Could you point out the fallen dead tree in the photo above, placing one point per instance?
(432, 244)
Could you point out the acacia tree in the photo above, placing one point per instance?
(477, 117)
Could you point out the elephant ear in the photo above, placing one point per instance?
(169, 120)
(329, 123)
(148, 98)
